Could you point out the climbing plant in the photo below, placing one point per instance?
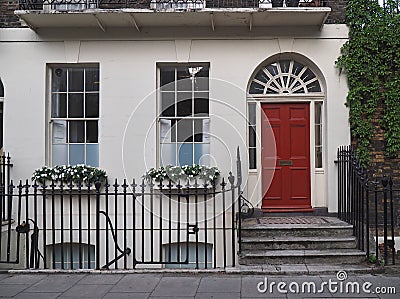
(371, 61)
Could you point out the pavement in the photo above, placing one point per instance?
(197, 285)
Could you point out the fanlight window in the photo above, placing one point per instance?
(284, 77)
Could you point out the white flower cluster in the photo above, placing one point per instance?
(67, 173)
(182, 173)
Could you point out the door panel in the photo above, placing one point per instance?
(289, 189)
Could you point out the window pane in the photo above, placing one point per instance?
(168, 104)
(76, 131)
(92, 79)
(273, 69)
(318, 114)
(59, 154)
(59, 131)
(165, 130)
(262, 77)
(59, 80)
(76, 154)
(202, 153)
(184, 104)
(318, 157)
(92, 155)
(252, 158)
(92, 131)
(201, 104)
(252, 114)
(198, 130)
(167, 78)
(314, 87)
(185, 154)
(252, 136)
(201, 79)
(185, 130)
(92, 105)
(307, 75)
(284, 64)
(59, 105)
(256, 88)
(184, 79)
(75, 105)
(297, 67)
(75, 79)
(168, 154)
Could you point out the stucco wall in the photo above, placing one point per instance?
(128, 101)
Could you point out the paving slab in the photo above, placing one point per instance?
(10, 290)
(101, 279)
(136, 283)
(177, 286)
(86, 291)
(55, 283)
(126, 296)
(219, 285)
(23, 279)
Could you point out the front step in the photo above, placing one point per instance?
(298, 240)
(297, 231)
(293, 243)
(276, 257)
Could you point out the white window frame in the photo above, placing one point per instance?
(193, 118)
(53, 120)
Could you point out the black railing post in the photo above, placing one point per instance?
(376, 218)
(385, 182)
(392, 219)
(238, 185)
(367, 216)
(97, 186)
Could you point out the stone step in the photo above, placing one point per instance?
(276, 257)
(270, 231)
(280, 243)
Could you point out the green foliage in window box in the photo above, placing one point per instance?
(183, 173)
(371, 60)
(67, 173)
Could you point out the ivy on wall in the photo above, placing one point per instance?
(371, 61)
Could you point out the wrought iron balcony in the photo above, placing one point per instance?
(106, 14)
(159, 5)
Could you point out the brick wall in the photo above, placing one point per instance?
(380, 166)
(7, 17)
(337, 15)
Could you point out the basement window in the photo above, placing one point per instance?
(70, 256)
(175, 252)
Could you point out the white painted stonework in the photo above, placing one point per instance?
(128, 138)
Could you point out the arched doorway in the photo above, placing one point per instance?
(289, 97)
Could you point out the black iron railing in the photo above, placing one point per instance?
(369, 204)
(69, 5)
(123, 225)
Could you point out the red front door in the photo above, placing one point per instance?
(286, 173)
